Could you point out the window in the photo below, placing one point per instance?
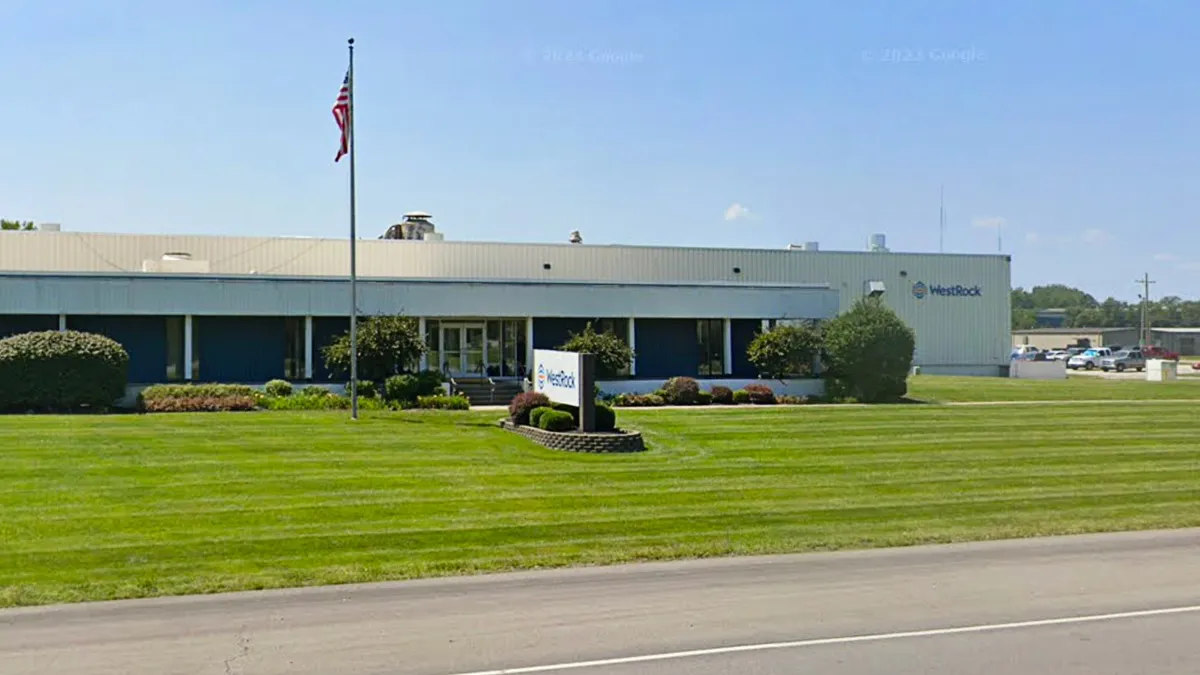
(514, 348)
(710, 336)
(174, 348)
(295, 355)
(494, 353)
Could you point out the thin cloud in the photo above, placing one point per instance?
(988, 222)
(738, 212)
(1096, 236)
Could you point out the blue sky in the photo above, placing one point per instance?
(1075, 126)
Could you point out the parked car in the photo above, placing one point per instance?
(1023, 352)
(1156, 352)
(1126, 359)
(1059, 354)
(1089, 359)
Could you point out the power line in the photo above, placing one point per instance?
(1145, 281)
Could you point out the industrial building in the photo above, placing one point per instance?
(1182, 340)
(249, 309)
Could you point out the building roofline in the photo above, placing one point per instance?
(410, 280)
(460, 242)
(1065, 331)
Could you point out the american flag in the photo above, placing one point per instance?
(341, 113)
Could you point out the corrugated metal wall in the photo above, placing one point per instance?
(951, 330)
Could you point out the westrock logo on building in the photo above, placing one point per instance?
(921, 289)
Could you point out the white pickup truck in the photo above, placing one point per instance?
(1089, 359)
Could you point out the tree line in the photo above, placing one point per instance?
(1085, 311)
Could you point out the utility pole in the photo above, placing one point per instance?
(1145, 282)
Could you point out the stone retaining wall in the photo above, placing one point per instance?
(619, 441)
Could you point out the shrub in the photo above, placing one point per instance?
(785, 351)
(387, 345)
(722, 395)
(704, 398)
(681, 391)
(443, 402)
(535, 415)
(785, 399)
(869, 352)
(612, 354)
(638, 401)
(54, 370)
(429, 382)
(522, 404)
(606, 418)
(402, 388)
(556, 420)
(330, 402)
(661, 393)
(760, 394)
(162, 398)
(741, 397)
(366, 389)
(278, 388)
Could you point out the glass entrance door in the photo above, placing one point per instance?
(462, 352)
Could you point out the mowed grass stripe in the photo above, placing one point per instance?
(201, 503)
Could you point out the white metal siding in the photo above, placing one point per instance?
(950, 331)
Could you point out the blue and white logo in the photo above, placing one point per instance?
(921, 289)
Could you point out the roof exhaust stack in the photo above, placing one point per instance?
(575, 238)
(416, 226)
(877, 244)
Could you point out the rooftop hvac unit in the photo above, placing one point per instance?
(878, 242)
(49, 227)
(806, 246)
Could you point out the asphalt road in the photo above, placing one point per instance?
(1119, 604)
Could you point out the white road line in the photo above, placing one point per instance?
(837, 641)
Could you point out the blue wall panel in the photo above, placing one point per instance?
(550, 333)
(325, 331)
(667, 348)
(144, 338)
(239, 348)
(14, 324)
(742, 332)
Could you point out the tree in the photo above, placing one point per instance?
(387, 345)
(785, 351)
(613, 356)
(869, 352)
(17, 225)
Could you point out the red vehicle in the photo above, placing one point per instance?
(1153, 352)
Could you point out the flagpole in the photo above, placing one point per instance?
(353, 257)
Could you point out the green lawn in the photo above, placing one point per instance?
(945, 389)
(131, 506)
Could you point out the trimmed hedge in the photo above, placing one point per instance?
(278, 388)
(606, 418)
(443, 402)
(61, 371)
(681, 391)
(401, 388)
(524, 403)
(639, 401)
(535, 415)
(163, 398)
(741, 397)
(704, 398)
(760, 394)
(556, 420)
(722, 395)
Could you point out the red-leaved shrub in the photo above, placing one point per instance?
(522, 404)
(722, 395)
(760, 394)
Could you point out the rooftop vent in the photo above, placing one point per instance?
(877, 243)
(176, 262)
(806, 246)
(575, 238)
(416, 226)
(50, 227)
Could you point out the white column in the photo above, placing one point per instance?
(308, 347)
(528, 344)
(633, 346)
(424, 355)
(728, 347)
(187, 347)
(62, 323)
(766, 325)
